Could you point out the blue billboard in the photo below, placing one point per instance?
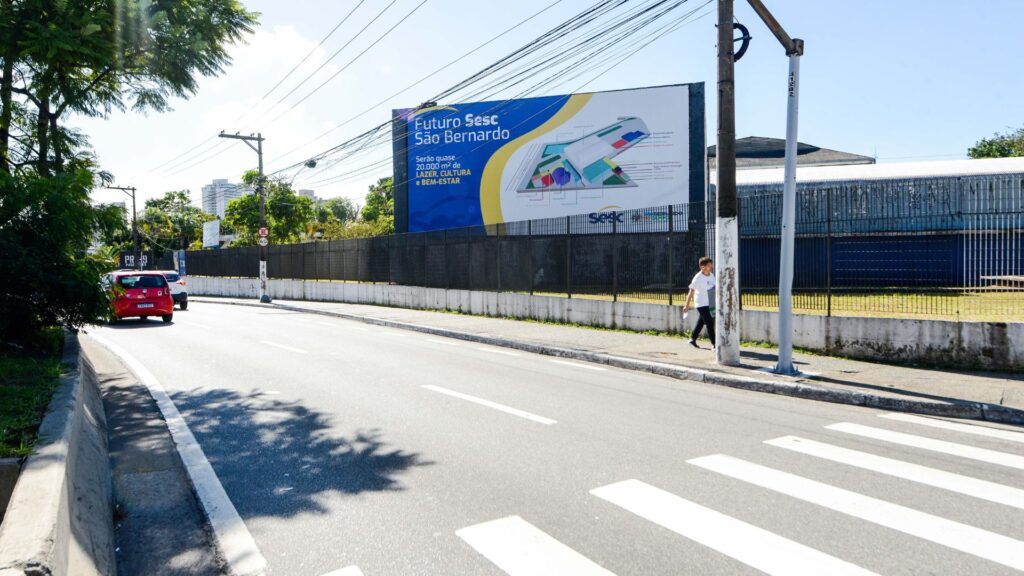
(503, 161)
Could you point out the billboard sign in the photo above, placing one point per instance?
(504, 161)
(211, 234)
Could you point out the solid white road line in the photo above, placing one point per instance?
(349, 571)
(952, 448)
(493, 351)
(489, 404)
(753, 546)
(521, 549)
(957, 426)
(232, 537)
(445, 342)
(968, 539)
(982, 489)
(283, 347)
(578, 365)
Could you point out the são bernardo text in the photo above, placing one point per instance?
(457, 129)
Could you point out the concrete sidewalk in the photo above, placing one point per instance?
(988, 396)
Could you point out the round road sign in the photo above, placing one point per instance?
(264, 232)
(263, 241)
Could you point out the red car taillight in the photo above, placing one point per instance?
(182, 282)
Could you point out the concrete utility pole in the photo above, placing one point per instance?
(137, 254)
(727, 333)
(794, 49)
(264, 241)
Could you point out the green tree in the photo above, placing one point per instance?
(380, 206)
(999, 145)
(342, 209)
(288, 214)
(172, 221)
(95, 56)
(46, 227)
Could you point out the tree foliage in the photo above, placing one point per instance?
(1010, 144)
(172, 222)
(380, 206)
(288, 214)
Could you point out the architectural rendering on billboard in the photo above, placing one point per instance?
(504, 161)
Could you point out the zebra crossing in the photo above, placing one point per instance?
(519, 548)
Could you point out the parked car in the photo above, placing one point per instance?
(178, 291)
(141, 294)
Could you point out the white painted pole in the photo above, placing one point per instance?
(785, 365)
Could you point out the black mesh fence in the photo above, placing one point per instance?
(946, 250)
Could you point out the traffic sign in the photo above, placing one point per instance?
(263, 241)
(264, 232)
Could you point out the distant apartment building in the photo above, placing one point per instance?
(217, 195)
(311, 194)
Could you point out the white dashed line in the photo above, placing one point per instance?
(489, 404)
(283, 347)
(445, 342)
(493, 351)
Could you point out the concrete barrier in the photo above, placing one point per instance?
(975, 345)
(60, 518)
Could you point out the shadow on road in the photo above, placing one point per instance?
(278, 458)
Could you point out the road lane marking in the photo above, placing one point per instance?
(966, 428)
(753, 546)
(521, 549)
(489, 404)
(349, 571)
(445, 342)
(952, 448)
(493, 351)
(283, 347)
(968, 539)
(982, 489)
(232, 537)
(578, 365)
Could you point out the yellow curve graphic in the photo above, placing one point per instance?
(490, 183)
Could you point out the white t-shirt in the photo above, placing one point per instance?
(701, 285)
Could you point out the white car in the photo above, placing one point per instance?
(178, 291)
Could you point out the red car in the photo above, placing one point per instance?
(142, 294)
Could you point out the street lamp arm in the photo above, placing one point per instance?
(794, 47)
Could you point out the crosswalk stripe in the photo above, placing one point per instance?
(952, 448)
(957, 426)
(968, 539)
(753, 546)
(982, 489)
(521, 549)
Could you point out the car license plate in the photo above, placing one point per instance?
(146, 305)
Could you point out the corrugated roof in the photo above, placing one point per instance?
(754, 152)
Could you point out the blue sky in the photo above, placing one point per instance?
(903, 80)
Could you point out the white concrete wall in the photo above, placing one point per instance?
(988, 345)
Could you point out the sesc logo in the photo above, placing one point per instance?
(606, 215)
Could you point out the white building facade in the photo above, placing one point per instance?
(217, 194)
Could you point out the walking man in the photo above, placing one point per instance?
(702, 289)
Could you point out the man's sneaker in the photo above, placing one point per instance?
(694, 343)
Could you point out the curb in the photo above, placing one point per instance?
(59, 519)
(955, 409)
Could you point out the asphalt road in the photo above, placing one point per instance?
(354, 448)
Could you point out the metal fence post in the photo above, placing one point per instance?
(529, 251)
(359, 244)
(671, 255)
(615, 260)
(828, 251)
(568, 258)
(447, 272)
(498, 240)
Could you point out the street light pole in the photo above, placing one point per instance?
(264, 242)
(137, 256)
(794, 50)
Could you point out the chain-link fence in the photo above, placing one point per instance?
(945, 248)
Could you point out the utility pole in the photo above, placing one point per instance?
(264, 241)
(727, 334)
(794, 50)
(137, 254)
